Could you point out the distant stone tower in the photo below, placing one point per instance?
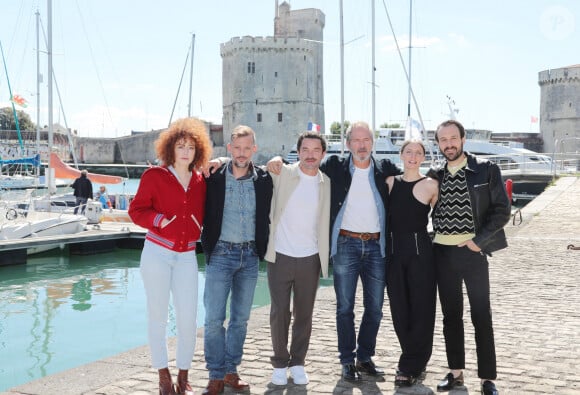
(274, 84)
(560, 107)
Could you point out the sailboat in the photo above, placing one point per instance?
(20, 219)
(14, 172)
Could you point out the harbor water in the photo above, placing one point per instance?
(59, 311)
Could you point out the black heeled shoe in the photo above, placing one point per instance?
(404, 380)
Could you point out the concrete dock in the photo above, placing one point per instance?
(535, 292)
(95, 238)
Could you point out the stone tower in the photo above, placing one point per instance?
(274, 84)
(560, 108)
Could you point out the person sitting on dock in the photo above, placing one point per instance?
(103, 197)
(83, 191)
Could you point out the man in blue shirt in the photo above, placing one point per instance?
(234, 240)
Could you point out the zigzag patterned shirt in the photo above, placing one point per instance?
(453, 215)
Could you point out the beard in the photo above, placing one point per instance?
(451, 156)
(362, 156)
(240, 164)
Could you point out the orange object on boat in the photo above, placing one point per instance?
(62, 170)
(509, 186)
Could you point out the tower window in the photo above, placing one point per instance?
(275, 74)
(251, 67)
(259, 117)
(279, 117)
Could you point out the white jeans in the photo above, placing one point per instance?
(166, 272)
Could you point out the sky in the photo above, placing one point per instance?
(118, 64)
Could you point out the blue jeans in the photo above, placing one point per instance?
(232, 268)
(81, 204)
(357, 258)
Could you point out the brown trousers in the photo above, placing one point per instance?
(287, 276)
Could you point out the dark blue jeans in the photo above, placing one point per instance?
(357, 258)
(81, 204)
(232, 269)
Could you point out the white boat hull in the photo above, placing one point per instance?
(42, 225)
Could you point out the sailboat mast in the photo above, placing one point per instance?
(37, 82)
(410, 51)
(191, 74)
(373, 66)
(50, 180)
(341, 81)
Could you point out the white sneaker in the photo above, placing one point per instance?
(299, 375)
(279, 376)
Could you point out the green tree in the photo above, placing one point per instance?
(387, 125)
(7, 120)
(335, 127)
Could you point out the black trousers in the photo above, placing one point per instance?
(455, 266)
(412, 298)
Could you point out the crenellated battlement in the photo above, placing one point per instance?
(559, 76)
(268, 43)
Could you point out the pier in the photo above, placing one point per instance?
(535, 294)
(102, 237)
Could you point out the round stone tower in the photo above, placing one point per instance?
(560, 108)
(274, 84)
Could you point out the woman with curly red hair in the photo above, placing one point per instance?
(170, 204)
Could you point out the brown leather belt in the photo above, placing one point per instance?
(365, 236)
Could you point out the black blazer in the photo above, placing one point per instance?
(214, 210)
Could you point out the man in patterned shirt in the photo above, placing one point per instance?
(468, 221)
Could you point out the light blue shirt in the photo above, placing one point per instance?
(380, 209)
(239, 217)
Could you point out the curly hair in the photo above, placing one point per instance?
(189, 129)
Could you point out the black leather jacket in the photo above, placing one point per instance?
(489, 201)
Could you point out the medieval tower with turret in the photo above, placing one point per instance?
(275, 84)
(560, 109)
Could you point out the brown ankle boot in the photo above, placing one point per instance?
(165, 382)
(183, 387)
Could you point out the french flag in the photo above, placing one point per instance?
(313, 127)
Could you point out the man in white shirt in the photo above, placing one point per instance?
(298, 250)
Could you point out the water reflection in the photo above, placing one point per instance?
(60, 311)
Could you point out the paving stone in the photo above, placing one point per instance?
(535, 294)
